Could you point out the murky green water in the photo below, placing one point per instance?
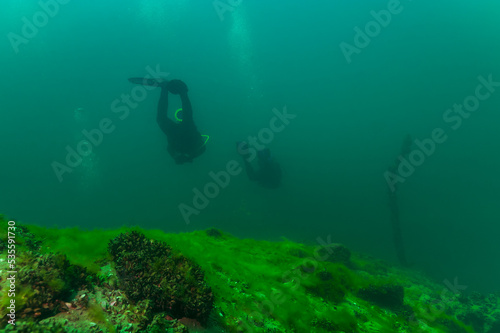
(355, 79)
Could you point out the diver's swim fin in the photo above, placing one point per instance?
(147, 82)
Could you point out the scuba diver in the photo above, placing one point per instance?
(269, 172)
(184, 141)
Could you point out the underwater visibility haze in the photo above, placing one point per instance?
(378, 120)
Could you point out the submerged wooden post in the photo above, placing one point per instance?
(393, 202)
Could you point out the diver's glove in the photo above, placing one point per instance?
(177, 87)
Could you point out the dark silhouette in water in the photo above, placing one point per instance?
(393, 203)
(184, 141)
(269, 172)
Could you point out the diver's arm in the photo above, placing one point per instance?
(187, 109)
(161, 115)
(178, 87)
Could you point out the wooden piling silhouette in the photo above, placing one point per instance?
(393, 203)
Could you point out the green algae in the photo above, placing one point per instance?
(262, 286)
(97, 315)
(82, 247)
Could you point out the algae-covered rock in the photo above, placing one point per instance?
(495, 328)
(386, 296)
(336, 253)
(34, 327)
(160, 324)
(150, 270)
(43, 282)
(144, 285)
(331, 285)
(476, 311)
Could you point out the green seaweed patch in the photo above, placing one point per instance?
(36, 327)
(42, 282)
(257, 286)
(24, 239)
(82, 247)
(96, 314)
(23, 295)
(272, 282)
(331, 282)
(434, 316)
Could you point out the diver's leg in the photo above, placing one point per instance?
(161, 115)
(147, 81)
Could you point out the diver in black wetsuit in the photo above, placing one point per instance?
(184, 141)
(269, 173)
